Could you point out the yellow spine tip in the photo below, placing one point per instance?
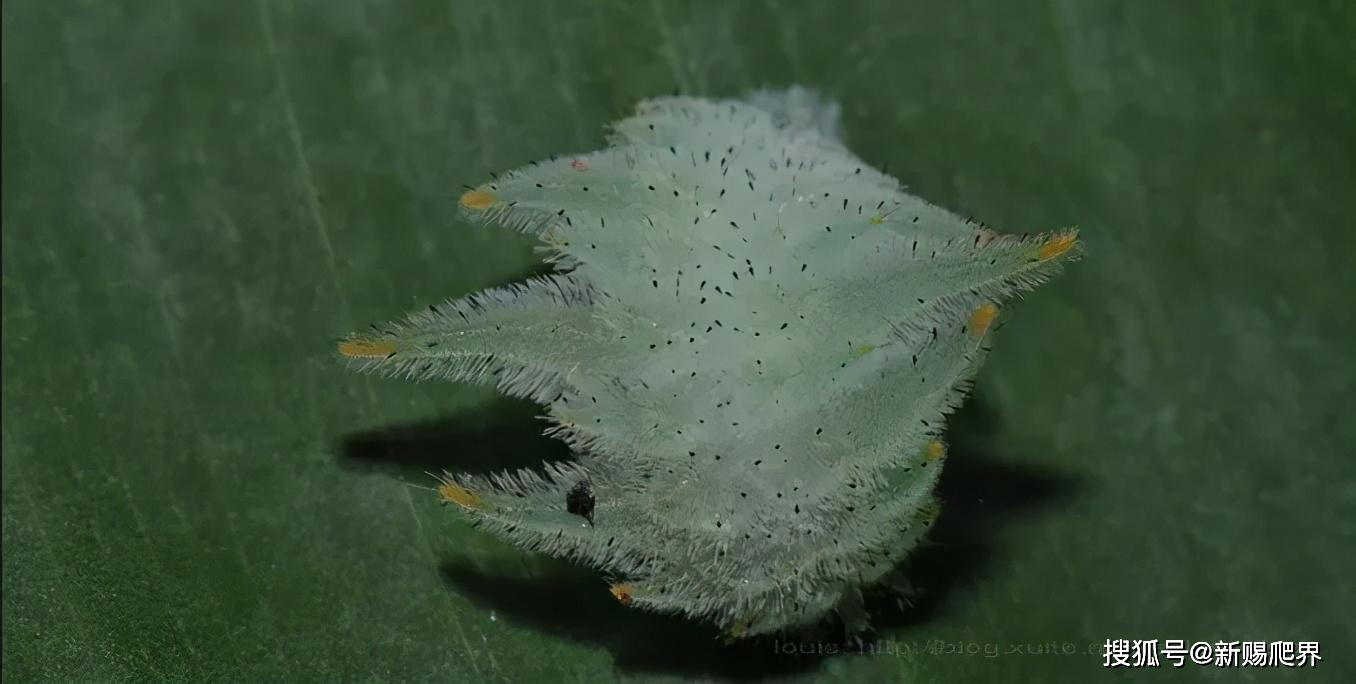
(623, 593)
(935, 451)
(876, 220)
(478, 200)
(367, 349)
(982, 318)
(865, 349)
(1057, 246)
(454, 493)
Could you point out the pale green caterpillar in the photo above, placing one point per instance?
(751, 343)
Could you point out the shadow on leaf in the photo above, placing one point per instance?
(981, 493)
(501, 434)
(573, 602)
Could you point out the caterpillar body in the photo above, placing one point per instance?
(751, 341)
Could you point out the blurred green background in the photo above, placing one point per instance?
(200, 197)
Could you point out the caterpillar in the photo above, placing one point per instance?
(751, 340)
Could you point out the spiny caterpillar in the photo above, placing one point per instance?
(751, 341)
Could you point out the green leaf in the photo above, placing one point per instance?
(200, 198)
